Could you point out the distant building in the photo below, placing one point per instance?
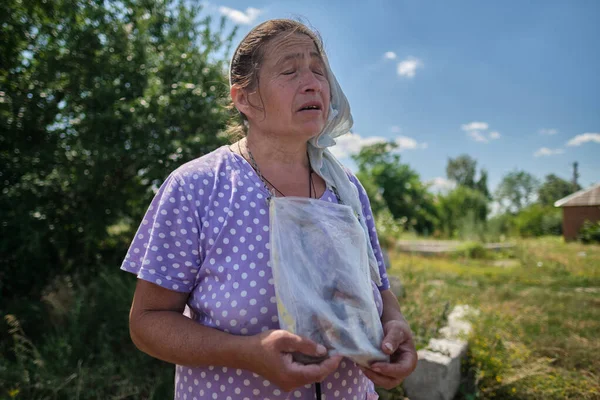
(579, 207)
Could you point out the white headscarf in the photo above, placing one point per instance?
(328, 167)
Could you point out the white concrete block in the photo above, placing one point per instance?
(437, 376)
(448, 347)
(458, 326)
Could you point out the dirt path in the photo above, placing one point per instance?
(441, 246)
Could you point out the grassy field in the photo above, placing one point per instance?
(536, 337)
(538, 332)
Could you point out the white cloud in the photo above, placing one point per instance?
(408, 67)
(476, 131)
(478, 136)
(548, 131)
(408, 143)
(583, 138)
(390, 55)
(544, 151)
(351, 143)
(240, 17)
(395, 129)
(440, 184)
(474, 126)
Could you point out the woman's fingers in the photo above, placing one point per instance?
(315, 372)
(279, 366)
(381, 380)
(291, 343)
(295, 375)
(402, 364)
(331, 364)
(396, 333)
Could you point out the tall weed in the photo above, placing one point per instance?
(87, 352)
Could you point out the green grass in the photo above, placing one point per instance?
(84, 350)
(537, 335)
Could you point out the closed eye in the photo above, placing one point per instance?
(288, 72)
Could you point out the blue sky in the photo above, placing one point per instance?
(516, 85)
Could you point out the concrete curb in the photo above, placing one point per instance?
(438, 372)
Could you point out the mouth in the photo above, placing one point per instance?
(311, 106)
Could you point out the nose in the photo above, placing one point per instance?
(311, 83)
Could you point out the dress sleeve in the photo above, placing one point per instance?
(370, 221)
(166, 246)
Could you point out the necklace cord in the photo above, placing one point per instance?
(267, 183)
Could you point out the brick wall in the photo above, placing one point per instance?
(574, 217)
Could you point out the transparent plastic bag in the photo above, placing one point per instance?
(322, 282)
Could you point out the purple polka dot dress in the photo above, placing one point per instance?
(206, 233)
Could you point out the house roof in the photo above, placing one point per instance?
(584, 197)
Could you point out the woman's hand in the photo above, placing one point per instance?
(398, 343)
(270, 356)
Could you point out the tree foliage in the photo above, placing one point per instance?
(555, 188)
(460, 208)
(517, 190)
(463, 169)
(98, 102)
(394, 185)
(538, 220)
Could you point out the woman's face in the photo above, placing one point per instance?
(293, 89)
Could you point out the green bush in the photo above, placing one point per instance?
(463, 213)
(392, 183)
(499, 227)
(533, 221)
(590, 232)
(537, 220)
(552, 222)
(87, 354)
(475, 250)
(99, 102)
(388, 229)
(471, 227)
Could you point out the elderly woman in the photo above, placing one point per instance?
(204, 242)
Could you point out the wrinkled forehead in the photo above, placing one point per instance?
(290, 46)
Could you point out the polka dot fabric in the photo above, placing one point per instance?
(206, 233)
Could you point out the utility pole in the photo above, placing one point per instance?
(575, 176)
